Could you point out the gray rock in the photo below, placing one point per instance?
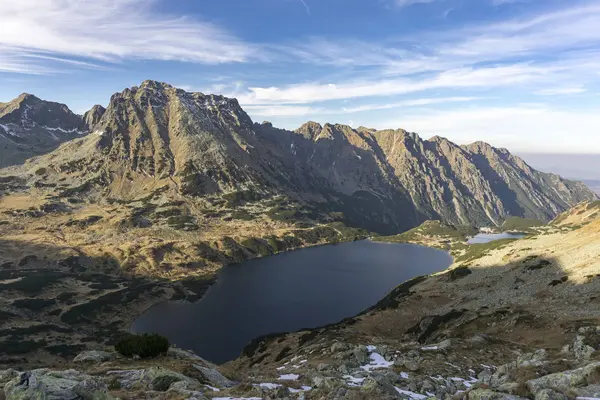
(535, 359)
(128, 379)
(549, 394)
(592, 391)
(343, 369)
(180, 354)
(323, 367)
(487, 394)
(428, 386)
(378, 384)
(564, 381)
(7, 375)
(582, 347)
(95, 356)
(361, 354)
(485, 376)
(55, 385)
(214, 377)
(323, 382)
(385, 352)
(281, 392)
(507, 372)
(338, 347)
(154, 378)
(410, 360)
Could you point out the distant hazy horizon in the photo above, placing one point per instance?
(584, 167)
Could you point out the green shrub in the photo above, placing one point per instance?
(146, 345)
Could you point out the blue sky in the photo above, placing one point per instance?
(521, 74)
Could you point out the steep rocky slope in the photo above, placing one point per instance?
(30, 126)
(387, 181)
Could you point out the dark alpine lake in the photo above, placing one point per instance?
(299, 289)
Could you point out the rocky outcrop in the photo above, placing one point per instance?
(47, 384)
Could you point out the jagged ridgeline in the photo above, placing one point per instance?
(159, 138)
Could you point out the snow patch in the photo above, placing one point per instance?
(236, 398)
(74, 130)
(353, 381)
(412, 395)
(269, 385)
(429, 348)
(289, 377)
(371, 348)
(302, 389)
(377, 362)
(403, 375)
(8, 130)
(214, 389)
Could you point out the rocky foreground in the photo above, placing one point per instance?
(519, 319)
(452, 369)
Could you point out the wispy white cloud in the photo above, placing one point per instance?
(407, 3)
(561, 91)
(107, 31)
(503, 2)
(282, 111)
(408, 103)
(302, 110)
(459, 78)
(306, 7)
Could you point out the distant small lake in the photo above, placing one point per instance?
(300, 289)
(490, 237)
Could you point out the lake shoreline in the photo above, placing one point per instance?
(298, 275)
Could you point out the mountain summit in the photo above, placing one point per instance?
(191, 144)
(30, 126)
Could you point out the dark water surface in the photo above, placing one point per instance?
(299, 289)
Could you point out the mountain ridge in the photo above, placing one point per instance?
(382, 180)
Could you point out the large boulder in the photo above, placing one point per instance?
(43, 384)
(411, 361)
(212, 376)
(154, 378)
(586, 343)
(487, 394)
(549, 394)
(567, 382)
(7, 375)
(510, 371)
(361, 353)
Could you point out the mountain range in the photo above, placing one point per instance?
(156, 137)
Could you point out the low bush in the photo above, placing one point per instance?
(146, 345)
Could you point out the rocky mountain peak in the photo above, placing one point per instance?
(310, 129)
(31, 126)
(480, 147)
(93, 116)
